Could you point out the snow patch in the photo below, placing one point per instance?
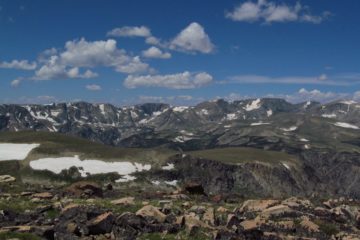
(169, 166)
(125, 178)
(180, 108)
(12, 151)
(204, 112)
(286, 166)
(346, 125)
(331, 115)
(304, 140)
(102, 109)
(56, 165)
(256, 104)
(290, 129)
(348, 102)
(259, 123)
(231, 116)
(181, 139)
(172, 183)
(156, 182)
(269, 112)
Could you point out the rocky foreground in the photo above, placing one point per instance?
(86, 210)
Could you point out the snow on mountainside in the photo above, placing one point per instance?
(152, 124)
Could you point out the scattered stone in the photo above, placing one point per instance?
(84, 189)
(232, 220)
(257, 205)
(124, 201)
(198, 209)
(277, 211)
(221, 209)
(43, 195)
(309, 225)
(209, 216)
(101, 224)
(152, 212)
(7, 179)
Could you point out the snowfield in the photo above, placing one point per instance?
(56, 165)
(290, 129)
(346, 125)
(12, 151)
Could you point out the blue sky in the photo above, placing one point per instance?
(183, 52)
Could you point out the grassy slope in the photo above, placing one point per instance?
(55, 144)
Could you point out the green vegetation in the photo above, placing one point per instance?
(20, 236)
(200, 235)
(327, 228)
(17, 205)
(236, 155)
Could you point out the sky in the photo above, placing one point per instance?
(180, 52)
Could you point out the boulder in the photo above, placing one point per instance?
(150, 211)
(232, 220)
(193, 223)
(277, 211)
(307, 224)
(257, 205)
(84, 189)
(198, 209)
(209, 216)
(101, 224)
(124, 201)
(7, 179)
(193, 187)
(43, 195)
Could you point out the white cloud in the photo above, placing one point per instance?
(154, 52)
(192, 39)
(19, 64)
(54, 69)
(315, 95)
(269, 12)
(93, 87)
(81, 53)
(302, 95)
(130, 31)
(16, 82)
(185, 80)
(323, 79)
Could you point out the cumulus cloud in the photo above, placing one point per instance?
(19, 64)
(269, 12)
(154, 52)
(323, 79)
(193, 39)
(101, 53)
(185, 80)
(130, 31)
(55, 69)
(87, 54)
(93, 87)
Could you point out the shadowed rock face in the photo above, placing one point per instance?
(320, 174)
